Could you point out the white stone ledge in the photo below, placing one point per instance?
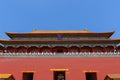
(68, 54)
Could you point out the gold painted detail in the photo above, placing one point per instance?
(89, 71)
(28, 71)
(59, 69)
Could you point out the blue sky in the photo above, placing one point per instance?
(25, 15)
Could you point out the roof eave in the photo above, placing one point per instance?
(107, 34)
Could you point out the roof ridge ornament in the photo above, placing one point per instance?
(34, 29)
(85, 29)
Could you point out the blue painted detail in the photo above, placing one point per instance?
(59, 36)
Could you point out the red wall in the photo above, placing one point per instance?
(76, 66)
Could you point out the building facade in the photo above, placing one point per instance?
(60, 55)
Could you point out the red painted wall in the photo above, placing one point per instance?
(76, 66)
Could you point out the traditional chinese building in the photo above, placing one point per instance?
(59, 55)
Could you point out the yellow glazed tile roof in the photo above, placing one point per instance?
(5, 75)
(61, 31)
(114, 75)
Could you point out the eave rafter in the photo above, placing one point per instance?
(60, 41)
